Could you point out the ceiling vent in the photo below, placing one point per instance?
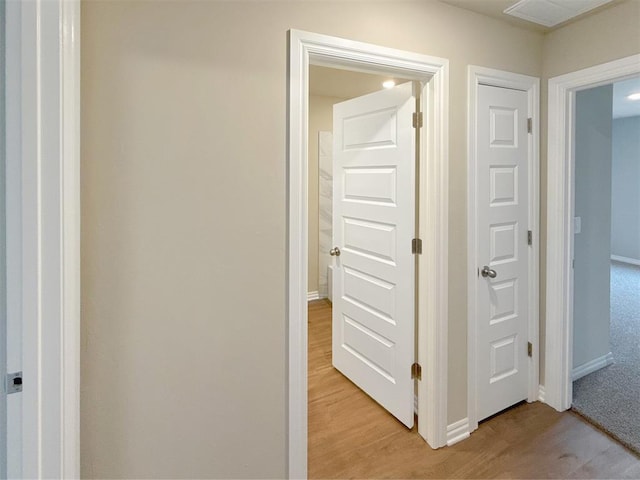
(552, 12)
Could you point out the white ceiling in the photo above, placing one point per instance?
(550, 13)
(622, 106)
(496, 8)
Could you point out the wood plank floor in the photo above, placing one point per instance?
(351, 436)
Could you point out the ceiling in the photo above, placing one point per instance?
(495, 9)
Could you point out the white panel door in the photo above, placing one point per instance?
(502, 322)
(373, 225)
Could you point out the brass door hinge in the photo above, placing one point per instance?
(530, 237)
(416, 371)
(530, 349)
(417, 120)
(416, 246)
(529, 125)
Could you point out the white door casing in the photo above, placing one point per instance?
(373, 225)
(477, 285)
(3, 251)
(305, 48)
(502, 314)
(43, 236)
(560, 213)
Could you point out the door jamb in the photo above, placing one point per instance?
(558, 391)
(43, 225)
(305, 48)
(486, 76)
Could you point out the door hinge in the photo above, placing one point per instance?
(417, 120)
(530, 349)
(14, 382)
(416, 246)
(530, 237)
(529, 125)
(416, 371)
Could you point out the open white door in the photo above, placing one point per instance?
(373, 226)
(502, 319)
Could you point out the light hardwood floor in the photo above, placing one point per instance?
(351, 436)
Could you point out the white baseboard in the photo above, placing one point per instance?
(457, 431)
(313, 296)
(541, 393)
(632, 261)
(592, 366)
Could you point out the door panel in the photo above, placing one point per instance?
(373, 224)
(502, 328)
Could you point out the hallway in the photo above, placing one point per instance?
(351, 436)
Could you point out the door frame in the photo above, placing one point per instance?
(306, 48)
(43, 241)
(558, 388)
(531, 85)
(3, 249)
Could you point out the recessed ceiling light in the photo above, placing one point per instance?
(389, 84)
(634, 96)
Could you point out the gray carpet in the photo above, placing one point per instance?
(610, 397)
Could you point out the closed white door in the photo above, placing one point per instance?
(373, 226)
(502, 317)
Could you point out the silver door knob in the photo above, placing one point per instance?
(334, 252)
(488, 272)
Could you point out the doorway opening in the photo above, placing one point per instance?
(606, 259)
(307, 49)
(362, 156)
(561, 224)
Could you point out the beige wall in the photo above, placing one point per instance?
(184, 219)
(605, 36)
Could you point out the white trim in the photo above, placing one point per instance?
(629, 260)
(487, 76)
(458, 431)
(304, 48)
(591, 366)
(560, 208)
(50, 205)
(541, 393)
(311, 296)
(14, 230)
(4, 341)
(433, 266)
(71, 232)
